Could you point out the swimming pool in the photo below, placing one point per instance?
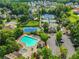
(28, 41)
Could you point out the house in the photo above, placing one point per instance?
(20, 15)
(53, 27)
(12, 55)
(3, 15)
(49, 18)
(13, 16)
(76, 10)
(10, 25)
(7, 10)
(69, 4)
(75, 6)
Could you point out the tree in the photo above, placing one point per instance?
(2, 51)
(4, 34)
(47, 54)
(59, 8)
(18, 32)
(44, 37)
(76, 55)
(45, 25)
(20, 57)
(58, 28)
(63, 51)
(59, 37)
(24, 18)
(12, 45)
(74, 28)
(63, 1)
(7, 42)
(1, 26)
(18, 8)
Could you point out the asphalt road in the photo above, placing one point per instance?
(52, 44)
(68, 44)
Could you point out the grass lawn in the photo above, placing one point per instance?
(32, 23)
(73, 17)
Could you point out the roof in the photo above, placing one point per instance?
(48, 16)
(12, 22)
(10, 25)
(12, 55)
(76, 10)
(69, 3)
(75, 6)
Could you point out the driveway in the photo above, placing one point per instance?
(68, 44)
(52, 44)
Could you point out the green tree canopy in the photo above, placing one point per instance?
(76, 55)
(47, 54)
(59, 36)
(44, 37)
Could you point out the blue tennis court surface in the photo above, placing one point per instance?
(30, 29)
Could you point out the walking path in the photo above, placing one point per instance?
(68, 44)
(52, 44)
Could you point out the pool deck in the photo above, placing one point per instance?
(29, 50)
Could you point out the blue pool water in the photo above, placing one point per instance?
(28, 41)
(30, 29)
